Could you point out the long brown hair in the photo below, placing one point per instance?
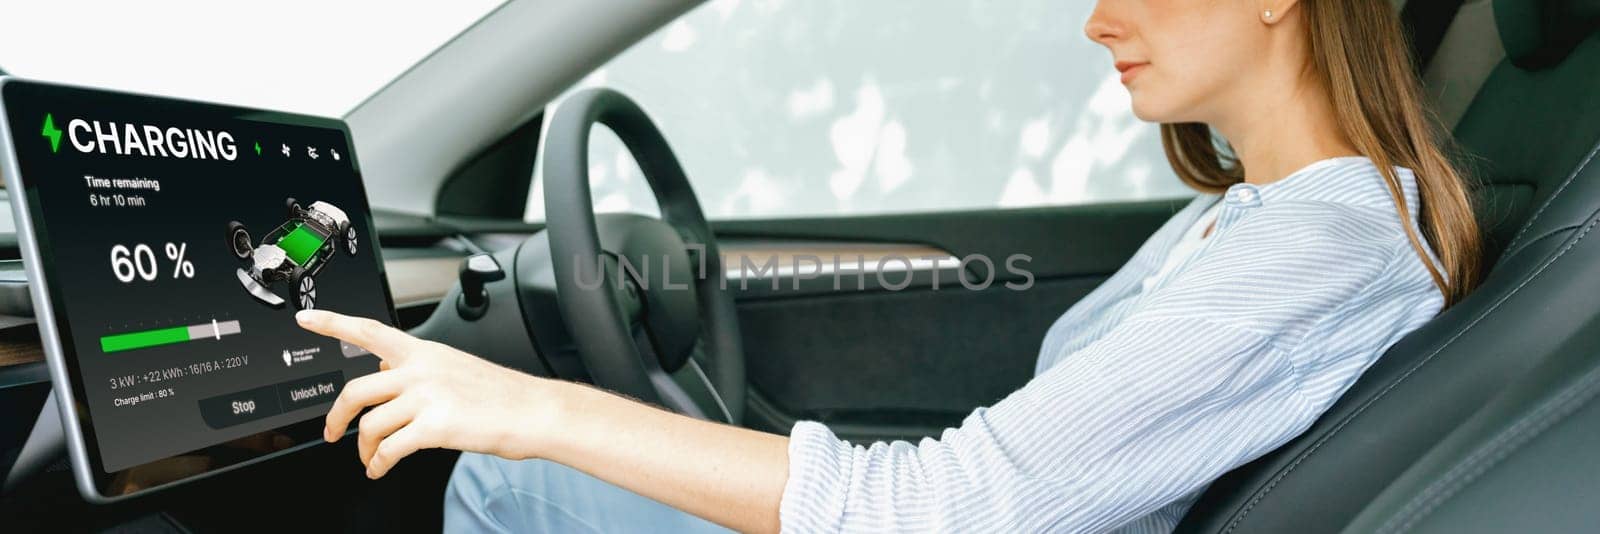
(1359, 54)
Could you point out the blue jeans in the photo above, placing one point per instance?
(491, 494)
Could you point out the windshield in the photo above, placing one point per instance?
(317, 58)
(302, 56)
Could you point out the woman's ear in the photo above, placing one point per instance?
(1273, 11)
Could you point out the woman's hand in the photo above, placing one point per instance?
(428, 395)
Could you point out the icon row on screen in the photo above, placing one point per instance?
(310, 152)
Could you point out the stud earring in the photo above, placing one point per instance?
(1267, 14)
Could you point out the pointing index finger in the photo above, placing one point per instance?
(385, 341)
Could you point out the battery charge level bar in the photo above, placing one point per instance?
(166, 336)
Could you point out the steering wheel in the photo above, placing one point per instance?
(659, 314)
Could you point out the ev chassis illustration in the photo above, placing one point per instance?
(293, 253)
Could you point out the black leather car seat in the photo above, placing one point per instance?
(1532, 132)
(1536, 117)
(1527, 462)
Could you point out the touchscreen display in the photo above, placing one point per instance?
(178, 240)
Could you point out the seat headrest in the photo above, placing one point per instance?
(1540, 33)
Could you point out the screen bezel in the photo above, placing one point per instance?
(94, 483)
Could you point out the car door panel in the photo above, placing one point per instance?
(903, 359)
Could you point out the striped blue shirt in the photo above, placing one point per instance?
(1142, 397)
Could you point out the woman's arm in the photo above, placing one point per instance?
(1203, 377)
(428, 395)
(729, 475)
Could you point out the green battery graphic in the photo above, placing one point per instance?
(156, 337)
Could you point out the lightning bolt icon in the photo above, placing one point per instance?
(51, 132)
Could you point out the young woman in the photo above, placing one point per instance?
(1329, 225)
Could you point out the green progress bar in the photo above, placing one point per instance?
(167, 336)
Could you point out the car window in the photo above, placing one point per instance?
(843, 107)
(8, 223)
(306, 56)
